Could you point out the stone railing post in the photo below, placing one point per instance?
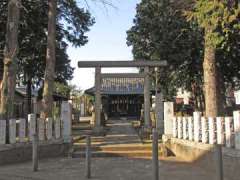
(2, 131)
(212, 129)
(228, 131)
(174, 127)
(12, 131)
(204, 126)
(168, 115)
(66, 118)
(22, 130)
(57, 128)
(196, 125)
(236, 121)
(185, 133)
(32, 126)
(220, 130)
(190, 128)
(49, 128)
(180, 127)
(41, 129)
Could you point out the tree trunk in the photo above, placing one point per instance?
(50, 61)
(10, 61)
(210, 79)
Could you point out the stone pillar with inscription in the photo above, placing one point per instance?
(168, 116)
(220, 130)
(236, 121)
(41, 129)
(22, 130)
(204, 126)
(57, 128)
(32, 125)
(190, 128)
(212, 129)
(228, 132)
(49, 123)
(147, 104)
(66, 114)
(159, 110)
(2, 131)
(196, 125)
(12, 131)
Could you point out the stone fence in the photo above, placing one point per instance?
(208, 130)
(22, 130)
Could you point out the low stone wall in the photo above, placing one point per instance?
(21, 152)
(204, 154)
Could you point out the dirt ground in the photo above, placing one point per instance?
(105, 169)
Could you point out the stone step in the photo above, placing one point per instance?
(116, 148)
(129, 154)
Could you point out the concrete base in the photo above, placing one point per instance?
(99, 131)
(192, 151)
(21, 152)
(145, 132)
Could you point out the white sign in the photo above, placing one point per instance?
(2, 131)
(12, 131)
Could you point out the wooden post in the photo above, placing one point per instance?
(228, 131)
(88, 157)
(155, 155)
(219, 162)
(190, 128)
(204, 130)
(35, 153)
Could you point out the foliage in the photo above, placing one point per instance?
(72, 24)
(160, 32)
(218, 18)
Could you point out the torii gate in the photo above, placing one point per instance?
(121, 64)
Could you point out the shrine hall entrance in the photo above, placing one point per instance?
(128, 106)
(121, 94)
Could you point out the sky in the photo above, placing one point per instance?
(107, 40)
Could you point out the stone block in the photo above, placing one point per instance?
(12, 131)
(168, 116)
(2, 131)
(22, 130)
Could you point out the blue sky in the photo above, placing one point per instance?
(107, 39)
